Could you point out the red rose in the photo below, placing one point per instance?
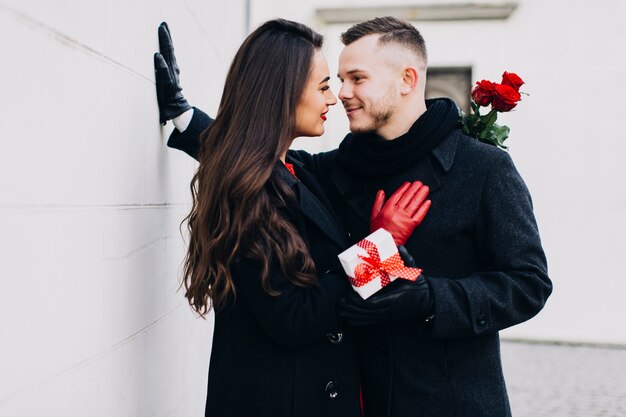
(505, 98)
(512, 79)
(483, 92)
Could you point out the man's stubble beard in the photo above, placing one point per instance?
(379, 115)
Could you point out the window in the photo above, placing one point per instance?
(451, 82)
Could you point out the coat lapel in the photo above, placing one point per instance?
(355, 192)
(313, 209)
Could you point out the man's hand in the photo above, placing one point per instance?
(402, 300)
(402, 213)
(171, 101)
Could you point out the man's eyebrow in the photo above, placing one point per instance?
(325, 79)
(351, 72)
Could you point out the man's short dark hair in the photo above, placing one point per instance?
(392, 30)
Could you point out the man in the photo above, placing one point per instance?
(429, 348)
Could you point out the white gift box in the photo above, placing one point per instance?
(383, 241)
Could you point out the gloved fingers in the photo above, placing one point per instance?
(354, 303)
(165, 40)
(373, 305)
(378, 204)
(162, 73)
(406, 257)
(417, 200)
(359, 317)
(166, 47)
(415, 288)
(409, 195)
(395, 197)
(348, 310)
(419, 215)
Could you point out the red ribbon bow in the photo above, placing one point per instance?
(373, 267)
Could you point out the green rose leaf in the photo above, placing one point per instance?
(500, 134)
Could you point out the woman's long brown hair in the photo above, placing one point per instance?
(238, 199)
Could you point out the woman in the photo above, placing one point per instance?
(263, 240)
(263, 247)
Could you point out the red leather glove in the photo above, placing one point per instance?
(402, 213)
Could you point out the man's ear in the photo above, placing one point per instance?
(410, 78)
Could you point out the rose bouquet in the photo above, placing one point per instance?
(502, 97)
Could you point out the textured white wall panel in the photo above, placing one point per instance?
(91, 318)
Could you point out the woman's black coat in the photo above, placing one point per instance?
(286, 355)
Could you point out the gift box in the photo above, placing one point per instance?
(374, 262)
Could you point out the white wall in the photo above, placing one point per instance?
(91, 319)
(566, 139)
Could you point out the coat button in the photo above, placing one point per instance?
(334, 338)
(481, 320)
(332, 390)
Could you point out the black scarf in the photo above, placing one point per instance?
(368, 155)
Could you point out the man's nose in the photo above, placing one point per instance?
(345, 92)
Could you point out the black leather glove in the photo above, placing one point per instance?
(171, 101)
(406, 257)
(402, 300)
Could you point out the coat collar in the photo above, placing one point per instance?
(360, 194)
(310, 197)
(446, 150)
